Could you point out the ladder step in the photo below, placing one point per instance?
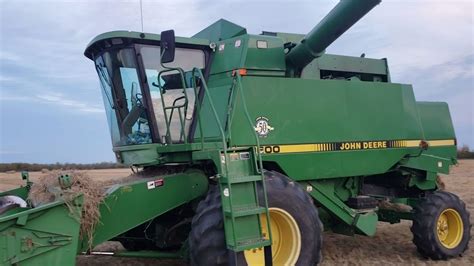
(244, 179)
(246, 211)
(250, 244)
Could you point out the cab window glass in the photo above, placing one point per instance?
(173, 93)
(123, 89)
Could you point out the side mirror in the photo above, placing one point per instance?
(167, 46)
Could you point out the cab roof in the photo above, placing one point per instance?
(106, 40)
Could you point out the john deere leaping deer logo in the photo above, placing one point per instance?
(262, 127)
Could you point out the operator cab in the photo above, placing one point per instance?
(148, 91)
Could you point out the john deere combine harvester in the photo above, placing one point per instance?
(264, 139)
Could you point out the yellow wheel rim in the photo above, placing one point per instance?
(449, 228)
(286, 239)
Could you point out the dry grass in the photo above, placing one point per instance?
(12, 179)
(391, 245)
(46, 189)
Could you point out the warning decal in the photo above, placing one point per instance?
(155, 183)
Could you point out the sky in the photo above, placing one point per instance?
(50, 102)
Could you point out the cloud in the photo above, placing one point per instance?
(57, 99)
(5, 56)
(428, 43)
(4, 78)
(15, 98)
(414, 34)
(11, 152)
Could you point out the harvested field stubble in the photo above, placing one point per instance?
(391, 245)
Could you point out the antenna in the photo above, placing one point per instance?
(141, 13)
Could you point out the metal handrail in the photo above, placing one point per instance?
(185, 104)
(211, 103)
(183, 123)
(221, 129)
(197, 107)
(238, 77)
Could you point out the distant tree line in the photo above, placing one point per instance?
(465, 153)
(5, 167)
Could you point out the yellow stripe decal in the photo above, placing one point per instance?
(445, 142)
(353, 145)
(412, 143)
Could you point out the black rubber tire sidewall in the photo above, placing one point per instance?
(288, 195)
(207, 240)
(425, 220)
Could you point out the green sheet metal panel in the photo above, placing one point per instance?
(45, 235)
(138, 154)
(429, 163)
(228, 56)
(21, 192)
(446, 152)
(244, 52)
(344, 64)
(436, 120)
(330, 113)
(312, 111)
(137, 202)
(264, 53)
(220, 30)
(220, 97)
(439, 132)
(335, 164)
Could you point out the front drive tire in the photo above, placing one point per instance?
(441, 226)
(207, 241)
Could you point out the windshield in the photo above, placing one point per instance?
(126, 112)
(171, 103)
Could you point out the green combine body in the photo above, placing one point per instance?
(265, 141)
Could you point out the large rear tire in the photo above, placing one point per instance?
(441, 226)
(292, 213)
